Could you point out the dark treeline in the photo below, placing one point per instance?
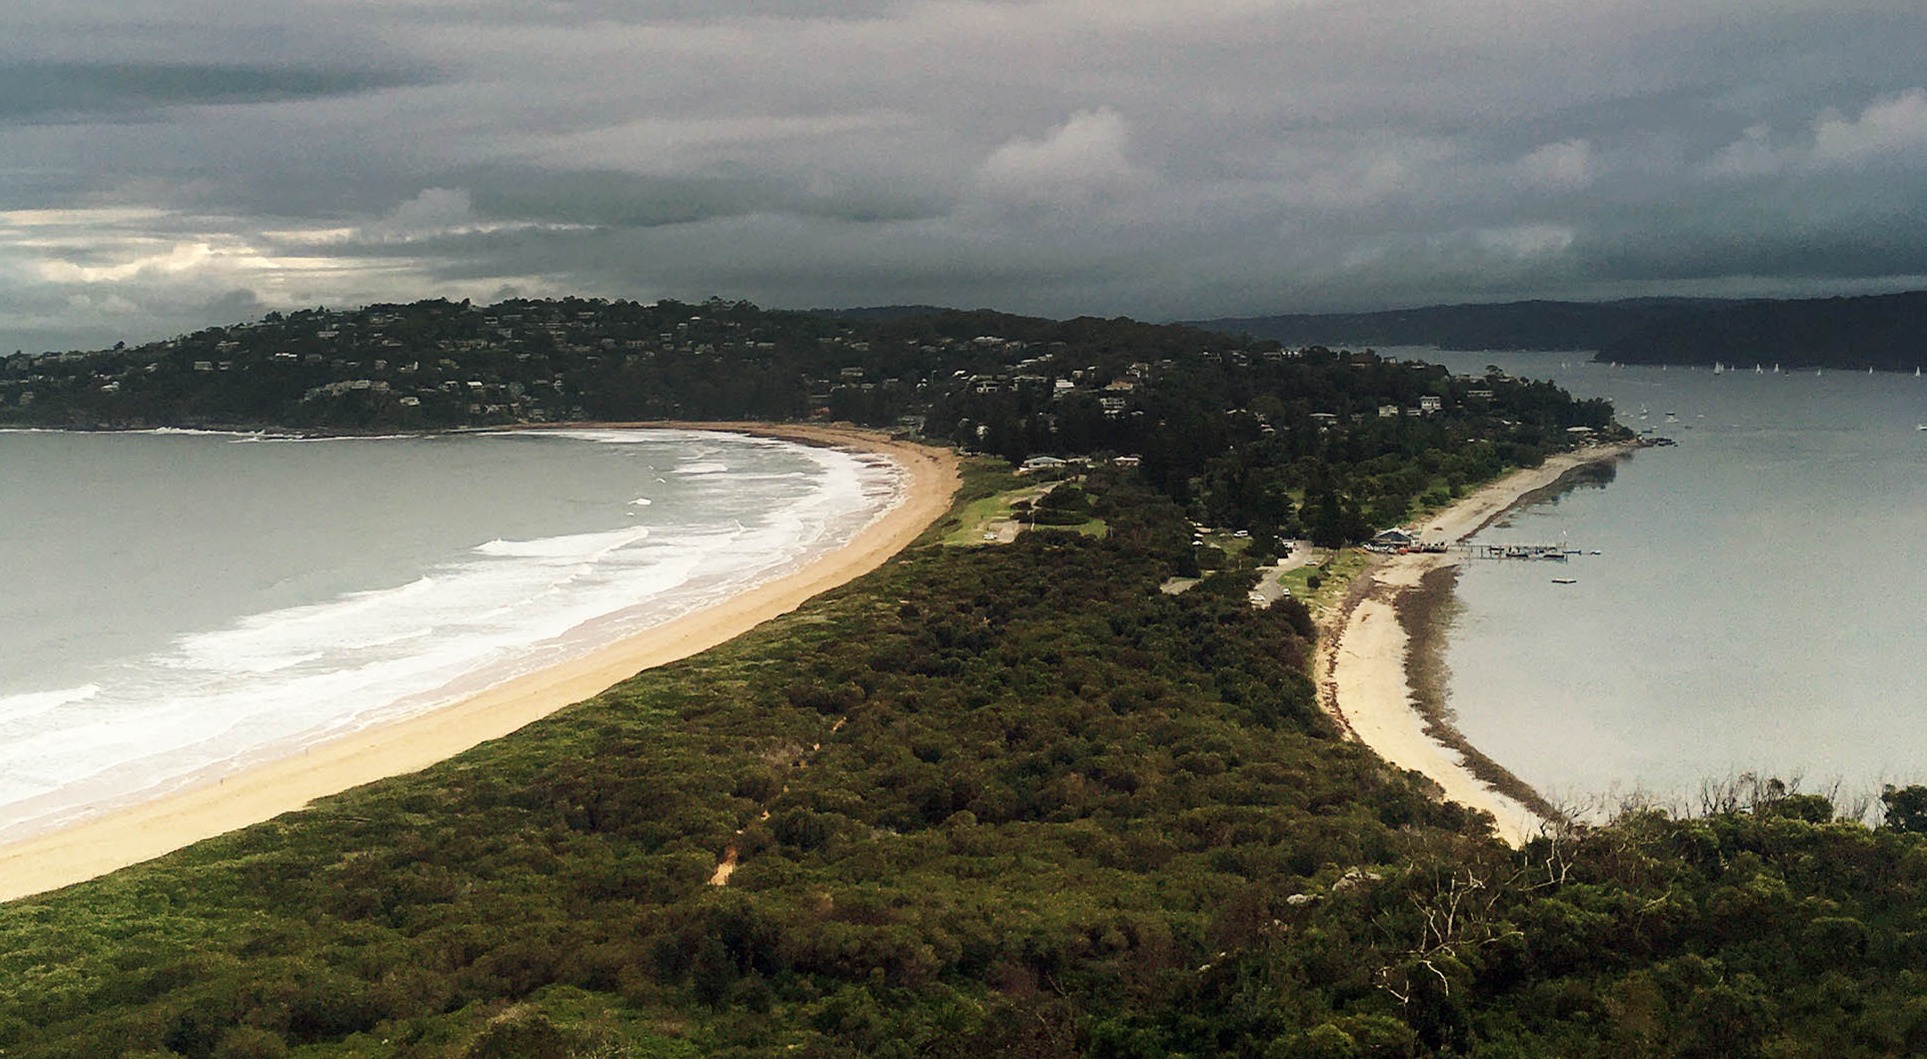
(1292, 442)
(1547, 325)
(1887, 332)
(995, 801)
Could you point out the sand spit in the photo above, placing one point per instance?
(1365, 664)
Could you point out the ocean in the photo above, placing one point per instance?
(1755, 606)
(175, 606)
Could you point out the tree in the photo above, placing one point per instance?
(1906, 807)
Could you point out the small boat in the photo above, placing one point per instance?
(1565, 580)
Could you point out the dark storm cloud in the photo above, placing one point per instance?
(73, 91)
(606, 198)
(1169, 158)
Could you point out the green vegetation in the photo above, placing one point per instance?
(983, 495)
(1046, 776)
(1245, 433)
(986, 801)
(1876, 331)
(979, 516)
(1323, 585)
(993, 801)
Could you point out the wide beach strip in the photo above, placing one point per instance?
(150, 829)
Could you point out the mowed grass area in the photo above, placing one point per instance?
(980, 496)
(988, 519)
(977, 517)
(1335, 577)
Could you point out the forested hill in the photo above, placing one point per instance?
(1887, 332)
(1549, 325)
(1294, 442)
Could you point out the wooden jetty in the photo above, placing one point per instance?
(1557, 553)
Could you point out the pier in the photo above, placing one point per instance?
(1557, 553)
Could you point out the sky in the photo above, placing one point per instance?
(171, 164)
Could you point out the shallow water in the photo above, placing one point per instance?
(1756, 606)
(173, 606)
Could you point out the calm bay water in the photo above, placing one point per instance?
(174, 606)
(1757, 604)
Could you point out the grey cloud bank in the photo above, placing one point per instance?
(168, 163)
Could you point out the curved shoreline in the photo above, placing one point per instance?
(1378, 664)
(150, 829)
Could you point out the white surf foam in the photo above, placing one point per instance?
(280, 679)
(15, 708)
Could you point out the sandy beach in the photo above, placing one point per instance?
(142, 832)
(1364, 668)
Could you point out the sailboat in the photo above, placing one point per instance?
(1719, 368)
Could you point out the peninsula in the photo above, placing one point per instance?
(1002, 794)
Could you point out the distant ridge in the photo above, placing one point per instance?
(1887, 332)
(883, 313)
(1549, 325)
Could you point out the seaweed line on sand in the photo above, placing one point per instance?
(1425, 613)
